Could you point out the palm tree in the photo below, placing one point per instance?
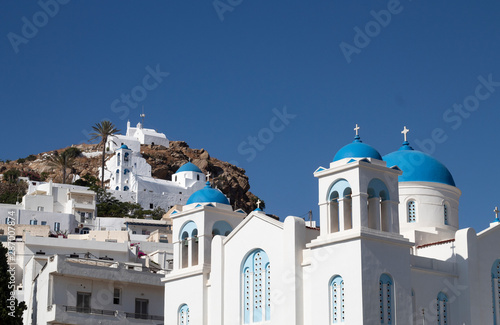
(64, 160)
(102, 131)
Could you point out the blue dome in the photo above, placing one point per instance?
(418, 166)
(208, 195)
(124, 146)
(357, 149)
(188, 167)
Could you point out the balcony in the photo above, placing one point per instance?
(80, 315)
(143, 316)
(83, 310)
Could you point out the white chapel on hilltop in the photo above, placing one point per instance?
(134, 137)
(389, 251)
(130, 178)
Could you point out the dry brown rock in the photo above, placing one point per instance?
(230, 179)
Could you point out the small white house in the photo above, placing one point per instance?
(134, 137)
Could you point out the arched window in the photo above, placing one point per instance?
(183, 315)
(117, 188)
(188, 237)
(117, 171)
(495, 287)
(378, 211)
(340, 206)
(221, 228)
(197, 177)
(256, 282)
(412, 215)
(337, 299)
(125, 188)
(445, 213)
(126, 171)
(386, 296)
(442, 309)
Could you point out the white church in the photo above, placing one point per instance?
(389, 251)
(130, 178)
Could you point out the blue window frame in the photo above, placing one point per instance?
(412, 215)
(337, 291)
(442, 309)
(256, 281)
(386, 296)
(183, 315)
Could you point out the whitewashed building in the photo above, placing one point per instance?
(65, 208)
(134, 137)
(98, 278)
(389, 251)
(130, 180)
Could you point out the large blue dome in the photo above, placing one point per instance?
(208, 195)
(357, 149)
(188, 167)
(418, 166)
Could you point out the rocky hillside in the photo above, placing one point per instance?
(231, 180)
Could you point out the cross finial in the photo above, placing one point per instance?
(208, 176)
(143, 115)
(405, 132)
(496, 214)
(258, 203)
(357, 129)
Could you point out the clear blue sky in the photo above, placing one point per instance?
(231, 68)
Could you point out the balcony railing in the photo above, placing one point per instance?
(85, 310)
(143, 316)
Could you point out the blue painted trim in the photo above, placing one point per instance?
(386, 294)
(221, 227)
(190, 229)
(183, 315)
(337, 292)
(377, 188)
(338, 189)
(256, 270)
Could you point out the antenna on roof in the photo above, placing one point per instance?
(143, 115)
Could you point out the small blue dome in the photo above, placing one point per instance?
(188, 167)
(124, 146)
(357, 149)
(208, 195)
(418, 166)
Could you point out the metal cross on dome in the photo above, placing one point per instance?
(496, 213)
(357, 129)
(208, 176)
(258, 203)
(405, 132)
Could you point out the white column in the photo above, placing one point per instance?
(190, 251)
(324, 218)
(385, 217)
(359, 210)
(392, 211)
(341, 213)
